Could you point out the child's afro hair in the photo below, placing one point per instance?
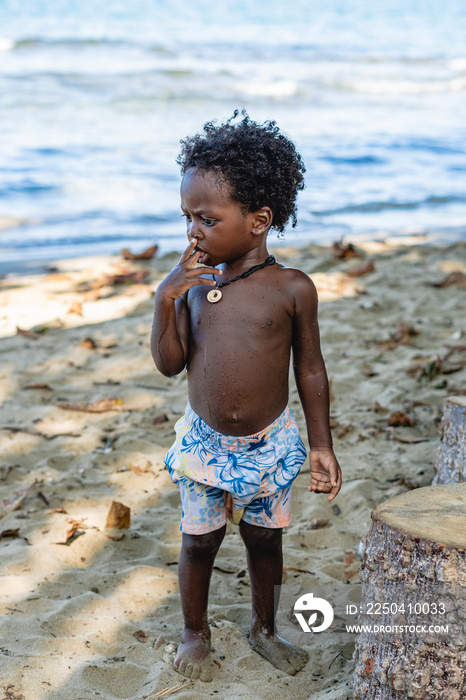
(261, 165)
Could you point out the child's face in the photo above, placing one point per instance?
(223, 230)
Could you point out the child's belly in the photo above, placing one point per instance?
(239, 386)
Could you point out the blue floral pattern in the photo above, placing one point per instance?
(246, 477)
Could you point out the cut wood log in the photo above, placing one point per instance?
(413, 604)
(450, 466)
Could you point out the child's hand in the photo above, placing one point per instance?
(325, 472)
(186, 275)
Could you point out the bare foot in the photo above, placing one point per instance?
(193, 659)
(282, 654)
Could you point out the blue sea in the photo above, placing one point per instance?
(95, 96)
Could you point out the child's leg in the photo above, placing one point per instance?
(265, 562)
(197, 558)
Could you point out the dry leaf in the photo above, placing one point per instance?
(25, 333)
(141, 636)
(88, 344)
(345, 429)
(159, 642)
(369, 372)
(92, 294)
(393, 435)
(224, 571)
(348, 561)
(9, 695)
(457, 279)
(298, 571)
(161, 418)
(76, 308)
(145, 255)
(75, 530)
(98, 407)
(403, 482)
(431, 367)
(370, 664)
(399, 419)
(403, 336)
(428, 367)
(7, 505)
(39, 385)
(5, 469)
(137, 277)
(9, 533)
(343, 251)
(317, 524)
(119, 516)
(19, 429)
(141, 470)
(361, 270)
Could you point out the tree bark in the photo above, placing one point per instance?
(414, 563)
(451, 456)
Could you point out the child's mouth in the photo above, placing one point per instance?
(202, 257)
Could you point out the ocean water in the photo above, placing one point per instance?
(94, 98)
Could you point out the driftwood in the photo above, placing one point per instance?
(451, 457)
(414, 576)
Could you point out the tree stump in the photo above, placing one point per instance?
(451, 456)
(413, 603)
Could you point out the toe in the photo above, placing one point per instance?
(283, 664)
(195, 671)
(181, 666)
(299, 663)
(304, 656)
(188, 670)
(290, 670)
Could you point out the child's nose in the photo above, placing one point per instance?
(193, 231)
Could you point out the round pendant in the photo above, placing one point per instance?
(214, 295)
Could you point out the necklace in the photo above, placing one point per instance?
(215, 294)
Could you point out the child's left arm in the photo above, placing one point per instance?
(313, 389)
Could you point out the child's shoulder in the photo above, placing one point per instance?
(299, 288)
(296, 280)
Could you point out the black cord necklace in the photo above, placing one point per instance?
(215, 294)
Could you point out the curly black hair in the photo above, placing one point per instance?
(261, 165)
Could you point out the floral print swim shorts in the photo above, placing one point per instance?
(222, 476)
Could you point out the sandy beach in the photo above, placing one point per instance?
(85, 420)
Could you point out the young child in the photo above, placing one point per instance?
(232, 315)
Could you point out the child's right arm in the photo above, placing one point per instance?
(170, 329)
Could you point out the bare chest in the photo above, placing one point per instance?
(242, 311)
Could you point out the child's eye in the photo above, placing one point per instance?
(186, 216)
(209, 222)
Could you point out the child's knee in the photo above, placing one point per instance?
(265, 540)
(203, 546)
